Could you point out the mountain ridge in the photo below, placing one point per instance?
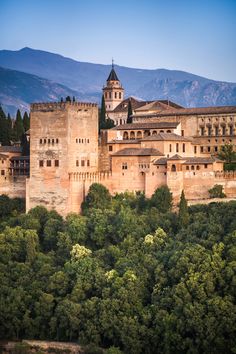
(87, 79)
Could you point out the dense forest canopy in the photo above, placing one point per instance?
(128, 274)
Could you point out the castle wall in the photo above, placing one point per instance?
(14, 187)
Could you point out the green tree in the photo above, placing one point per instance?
(102, 115)
(26, 121)
(162, 199)
(183, 211)
(25, 145)
(130, 112)
(217, 191)
(227, 153)
(98, 197)
(18, 128)
(4, 128)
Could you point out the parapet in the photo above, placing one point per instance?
(53, 106)
(90, 176)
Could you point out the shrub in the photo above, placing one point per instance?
(217, 191)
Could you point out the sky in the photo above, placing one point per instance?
(197, 36)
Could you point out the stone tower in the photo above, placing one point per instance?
(63, 141)
(113, 91)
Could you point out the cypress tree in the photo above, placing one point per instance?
(130, 112)
(18, 128)
(102, 118)
(183, 211)
(26, 122)
(4, 131)
(25, 145)
(9, 128)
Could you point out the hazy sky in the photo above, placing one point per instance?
(198, 36)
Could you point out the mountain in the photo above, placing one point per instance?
(18, 89)
(88, 79)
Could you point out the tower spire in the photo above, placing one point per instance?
(112, 63)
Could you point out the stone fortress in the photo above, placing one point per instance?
(165, 144)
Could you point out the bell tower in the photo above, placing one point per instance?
(113, 91)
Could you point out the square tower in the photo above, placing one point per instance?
(63, 140)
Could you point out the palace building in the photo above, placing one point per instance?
(165, 144)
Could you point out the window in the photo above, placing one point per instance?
(77, 163)
(124, 166)
(45, 141)
(110, 147)
(40, 141)
(195, 149)
(52, 141)
(49, 141)
(88, 163)
(119, 95)
(87, 140)
(57, 141)
(205, 166)
(76, 140)
(187, 167)
(168, 131)
(177, 147)
(56, 163)
(82, 163)
(2, 172)
(223, 130)
(170, 148)
(209, 131)
(49, 163)
(79, 141)
(202, 130)
(109, 95)
(201, 149)
(173, 168)
(230, 130)
(209, 149)
(41, 163)
(182, 132)
(198, 167)
(115, 95)
(192, 167)
(216, 148)
(216, 131)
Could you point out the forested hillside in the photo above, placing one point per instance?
(128, 275)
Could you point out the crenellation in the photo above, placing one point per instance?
(51, 106)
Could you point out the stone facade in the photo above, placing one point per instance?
(164, 145)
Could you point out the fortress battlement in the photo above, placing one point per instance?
(226, 174)
(89, 176)
(52, 106)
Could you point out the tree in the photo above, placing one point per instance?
(18, 128)
(98, 197)
(130, 112)
(26, 122)
(217, 191)
(25, 145)
(183, 211)
(162, 199)
(102, 116)
(227, 153)
(4, 128)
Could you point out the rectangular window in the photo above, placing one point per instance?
(110, 147)
(216, 148)
(201, 148)
(40, 141)
(202, 130)
(2, 172)
(41, 163)
(82, 163)
(182, 132)
(88, 163)
(170, 148)
(77, 163)
(49, 163)
(209, 149)
(205, 166)
(195, 149)
(183, 147)
(124, 166)
(56, 163)
(177, 147)
(119, 95)
(115, 95)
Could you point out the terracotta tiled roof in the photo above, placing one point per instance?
(10, 149)
(166, 137)
(193, 111)
(19, 158)
(151, 125)
(161, 161)
(200, 160)
(123, 106)
(138, 152)
(158, 105)
(176, 157)
(134, 141)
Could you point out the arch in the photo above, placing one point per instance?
(192, 167)
(173, 168)
(161, 131)
(125, 136)
(154, 132)
(146, 132)
(132, 135)
(139, 135)
(168, 131)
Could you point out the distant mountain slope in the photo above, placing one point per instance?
(182, 87)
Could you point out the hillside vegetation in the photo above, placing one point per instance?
(128, 275)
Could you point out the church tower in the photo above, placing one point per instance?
(113, 91)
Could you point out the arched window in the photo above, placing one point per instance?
(192, 167)
(154, 132)
(161, 131)
(173, 168)
(132, 135)
(139, 135)
(168, 131)
(125, 136)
